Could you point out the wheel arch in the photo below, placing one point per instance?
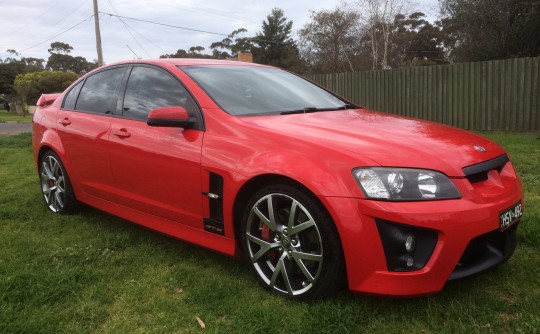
(52, 143)
(43, 149)
(48, 147)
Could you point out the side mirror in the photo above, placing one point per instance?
(175, 117)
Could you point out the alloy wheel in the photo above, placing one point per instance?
(284, 244)
(53, 183)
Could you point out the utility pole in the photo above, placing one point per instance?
(98, 34)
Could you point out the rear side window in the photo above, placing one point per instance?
(71, 97)
(148, 89)
(99, 93)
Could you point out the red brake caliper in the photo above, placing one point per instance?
(268, 235)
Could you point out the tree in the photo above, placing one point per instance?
(274, 44)
(33, 64)
(180, 53)
(330, 40)
(30, 85)
(378, 18)
(13, 65)
(230, 46)
(60, 60)
(61, 48)
(194, 52)
(479, 30)
(415, 42)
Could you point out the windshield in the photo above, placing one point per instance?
(251, 90)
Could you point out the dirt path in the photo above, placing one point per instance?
(14, 128)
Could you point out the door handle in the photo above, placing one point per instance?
(122, 133)
(65, 121)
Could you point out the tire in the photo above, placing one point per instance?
(292, 243)
(55, 185)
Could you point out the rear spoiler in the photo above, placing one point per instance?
(47, 99)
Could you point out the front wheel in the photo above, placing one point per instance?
(292, 243)
(55, 184)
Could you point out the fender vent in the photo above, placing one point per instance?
(214, 223)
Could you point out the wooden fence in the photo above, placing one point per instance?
(493, 95)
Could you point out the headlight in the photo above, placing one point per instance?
(404, 184)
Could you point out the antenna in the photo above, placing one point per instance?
(133, 52)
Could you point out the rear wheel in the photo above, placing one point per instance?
(55, 185)
(292, 243)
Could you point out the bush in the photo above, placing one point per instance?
(30, 86)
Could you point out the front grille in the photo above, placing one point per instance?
(479, 172)
(485, 251)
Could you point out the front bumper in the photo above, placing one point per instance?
(466, 229)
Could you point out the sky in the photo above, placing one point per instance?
(30, 26)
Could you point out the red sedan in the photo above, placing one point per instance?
(256, 162)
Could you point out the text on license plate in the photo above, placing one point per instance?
(510, 216)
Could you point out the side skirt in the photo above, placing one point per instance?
(186, 233)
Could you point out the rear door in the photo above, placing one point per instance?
(157, 169)
(83, 125)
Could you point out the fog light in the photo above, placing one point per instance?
(406, 248)
(410, 243)
(410, 261)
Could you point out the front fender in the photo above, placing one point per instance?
(325, 171)
(323, 174)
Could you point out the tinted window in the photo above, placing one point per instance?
(251, 90)
(98, 95)
(71, 97)
(148, 89)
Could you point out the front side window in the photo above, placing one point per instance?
(254, 90)
(149, 89)
(100, 91)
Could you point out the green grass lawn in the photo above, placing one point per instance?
(13, 117)
(94, 273)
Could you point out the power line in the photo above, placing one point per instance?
(190, 29)
(61, 33)
(130, 49)
(125, 26)
(165, 24)
(148, 40)
(46, 29)
(208, 11)
(34, 20)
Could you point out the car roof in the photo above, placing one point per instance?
(188, 62)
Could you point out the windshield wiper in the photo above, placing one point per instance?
(306, 110)
(314, 109)
(348, 106)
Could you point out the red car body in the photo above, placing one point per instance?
(160, 177)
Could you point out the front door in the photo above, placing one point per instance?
(156, 169)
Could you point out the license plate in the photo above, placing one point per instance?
(509, 216)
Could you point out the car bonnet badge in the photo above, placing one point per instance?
(479, 148)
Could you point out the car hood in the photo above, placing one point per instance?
(388, 140)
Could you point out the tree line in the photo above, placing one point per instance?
(355, 36)
(384, 34)
(28, 77)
